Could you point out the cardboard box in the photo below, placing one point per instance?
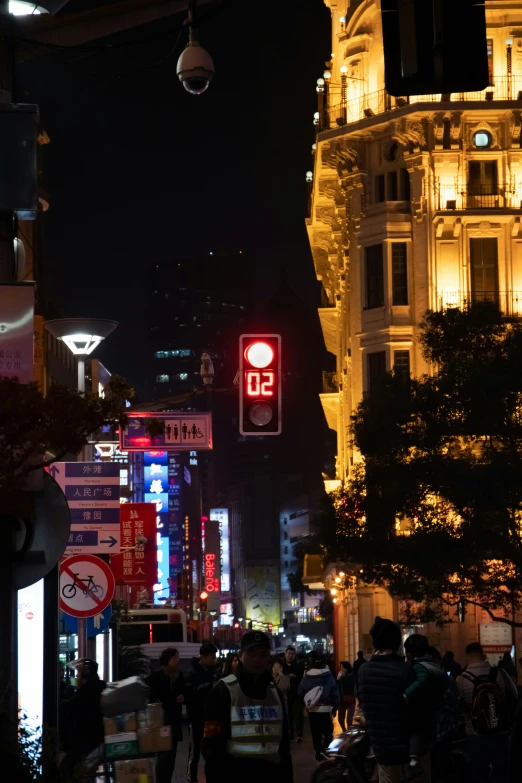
(136, 771)
(121, 745)
(151, 717)
(155, 740)
(121, 724)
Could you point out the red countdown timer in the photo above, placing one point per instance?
(260, 384)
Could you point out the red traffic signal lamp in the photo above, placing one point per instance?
(260, 397)
(203, 598)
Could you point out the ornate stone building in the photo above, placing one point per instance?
(415, 204)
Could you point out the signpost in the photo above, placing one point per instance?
(93, 625)
(86, 586)
(92, 490)
(182, 432)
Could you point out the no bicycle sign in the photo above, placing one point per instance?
(86, 586)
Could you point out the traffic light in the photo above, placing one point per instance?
(203, 598)
(424, 48)
(260, 396)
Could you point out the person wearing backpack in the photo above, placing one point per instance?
(319, 690)
(489, 696)
(425, 699)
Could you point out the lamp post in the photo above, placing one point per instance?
(81, 336)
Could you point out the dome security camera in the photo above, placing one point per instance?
(195, 68)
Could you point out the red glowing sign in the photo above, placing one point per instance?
(211, 580)
(260, 384)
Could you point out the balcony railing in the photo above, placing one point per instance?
(509, 302)
(338, 112)
(330, 383)
(488, 197)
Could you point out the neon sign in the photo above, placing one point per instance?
(211, 580)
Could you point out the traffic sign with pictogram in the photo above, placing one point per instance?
(93, 625)
(86, 585)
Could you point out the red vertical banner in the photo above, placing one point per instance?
(136, 565)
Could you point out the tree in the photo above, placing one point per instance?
(36, 431)
(433, 511)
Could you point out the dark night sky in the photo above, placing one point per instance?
(139, 170)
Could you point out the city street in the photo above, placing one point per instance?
(302, 757)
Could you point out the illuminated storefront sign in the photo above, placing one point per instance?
(161, 589)
(211, 563)
(30, 654)
(220, 515)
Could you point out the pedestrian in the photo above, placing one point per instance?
(167, 685)
(231, 664)
(321, 697)
(489, 696)
(294, 671)
(346, 685)
(198, 684)
(424, 698)
(447, 726)
(451, 667)
(358, 663)
(246, 727)
(506, 663)
(281, 680)
(382, 682)
(80, 718)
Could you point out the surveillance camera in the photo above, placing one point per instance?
(195, 68)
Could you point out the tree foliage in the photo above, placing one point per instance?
(434, 508)
(36, 430)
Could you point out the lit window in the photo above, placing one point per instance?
(124, 477)
(183, 376)
(162, 378)
(482, 139)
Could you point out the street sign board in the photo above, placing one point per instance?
(94, 625)
(86, 586)
(92, 490)
(182, 432)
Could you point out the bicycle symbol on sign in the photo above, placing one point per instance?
(89, 588)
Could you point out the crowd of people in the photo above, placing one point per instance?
(244, 713)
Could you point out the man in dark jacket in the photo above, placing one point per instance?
(80, 719)
(168, 686)
(294, 671)
(381, 685)
(246, 727)
(198, 684)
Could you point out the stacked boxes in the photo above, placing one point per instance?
(135, 771)
(135, 733)
(153, 736)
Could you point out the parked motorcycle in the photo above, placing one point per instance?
(349, 759)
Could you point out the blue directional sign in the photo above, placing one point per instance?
(95, 625)
(92, 490)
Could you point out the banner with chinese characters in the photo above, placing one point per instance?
(17, 331)
(136, 565)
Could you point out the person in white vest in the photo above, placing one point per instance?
(246, 726)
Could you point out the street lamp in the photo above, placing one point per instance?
(26, 8)
(81, 336)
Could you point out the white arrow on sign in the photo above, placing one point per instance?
(96, 620)
(135, 424)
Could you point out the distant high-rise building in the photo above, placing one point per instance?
(195, 305)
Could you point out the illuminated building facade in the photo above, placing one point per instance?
(415, 205)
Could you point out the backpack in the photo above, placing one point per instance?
(313, 697)
(489, 710)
